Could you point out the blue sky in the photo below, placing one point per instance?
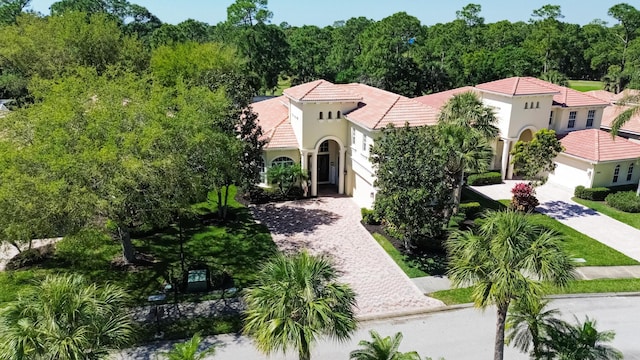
(325, 12)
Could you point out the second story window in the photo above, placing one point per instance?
(616, 173)
(590, 117)
(550, 117)
(537, 104)
(572, 119)
(320, 115)
(630, 172)
(526, 105)
(338, 115)
(329, 115)
(364, 142)
(353, 137)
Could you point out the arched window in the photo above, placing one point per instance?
(320, 115)
(537, 104)
(282, 160)
(338, 115)
(329, 115)
(616, 173)
(532, 104)
(324, 147)
(630, 172)
(526, 105)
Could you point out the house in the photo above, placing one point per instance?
(631, 130)
(329, 129)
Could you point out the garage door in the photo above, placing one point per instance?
(569, 176)
(362, 192)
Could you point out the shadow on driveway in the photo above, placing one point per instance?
(292, 220)
(562, 210)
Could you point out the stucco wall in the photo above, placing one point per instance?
(571, 172)
(603, 175)
(513, 118)
(561, 118)
(360, 172)
(310, 129)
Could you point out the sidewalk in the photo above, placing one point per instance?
(555, 201)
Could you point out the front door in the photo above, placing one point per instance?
(323, 168)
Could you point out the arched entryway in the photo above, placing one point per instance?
(525, 135)
(327, 165)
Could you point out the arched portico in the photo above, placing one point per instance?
(323, 163)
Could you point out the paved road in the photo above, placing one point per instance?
(556, 202)
(455, 335)
(331, 226)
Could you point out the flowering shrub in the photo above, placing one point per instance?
(524, 198)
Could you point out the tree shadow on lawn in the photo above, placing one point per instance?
(562, 210)
(292, 220)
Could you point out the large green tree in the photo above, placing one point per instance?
(534, 159)
(65, 318)
(509, 258)
(295, 300)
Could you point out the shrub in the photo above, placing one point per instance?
(369, 217)
(488, 178)
(594, 194)
(619, 188)
(470, 210)
(627, 201)
(524, 198)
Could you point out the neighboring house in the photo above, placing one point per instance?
(631, 130)
(329, 129)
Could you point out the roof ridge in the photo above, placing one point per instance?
(387, 112)
(597, 148)
(515, 86)
(312, 88)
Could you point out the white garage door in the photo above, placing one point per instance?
(362, 192)
(569, 176)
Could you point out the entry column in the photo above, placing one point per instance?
(341, 171)
(314, 173)
(505, 158)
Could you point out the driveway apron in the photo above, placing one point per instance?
(331, 226)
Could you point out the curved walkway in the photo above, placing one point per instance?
(331, 226)
(555, 201)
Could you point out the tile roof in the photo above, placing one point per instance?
(562, 96)
(603, 95)
(437, 100)
(611, 112)
(320, 90)
(598, 145)
(379, 108)
(273, 117)
(626, 93)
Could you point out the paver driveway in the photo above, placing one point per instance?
(331, 226)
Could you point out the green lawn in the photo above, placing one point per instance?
(586, 85)
(601, 207)
(463, 296)
(236, 247)
(409, 267)
(577, 244)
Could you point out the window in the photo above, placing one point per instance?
(353, 137)
(550, 117)
(537, 104)
(572, 119)
(329, 115)
(364, 142)
(531, 105)
(263, 171)
(630, 172)
(324, 147)
(282, 160)
(338, 115)
(526, 105)
(616, 172)
(590, 117)
(320, 115)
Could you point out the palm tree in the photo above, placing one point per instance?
(508, 258)
(295, 300)
(581, 341)
(382, 349)
(189, 350)
(528, 323)
(63, 318)
(632, 102)
(467, 110)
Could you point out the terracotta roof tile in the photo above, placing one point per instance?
(612, 111)
(598, 145)
(320, 90)
(273, 117)
(380, 108)
(603, 95)
(515, 86)
(438, 100)
(625, 93)
(283, 137)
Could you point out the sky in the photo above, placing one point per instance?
(325, 12)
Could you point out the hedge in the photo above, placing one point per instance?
(488, 178)
(369, 217)
(470, 210)
(627, 201)
(594, 194)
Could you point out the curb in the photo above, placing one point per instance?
(593, 295)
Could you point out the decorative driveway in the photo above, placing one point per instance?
(331, 226)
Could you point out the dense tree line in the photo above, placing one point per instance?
(397, 53)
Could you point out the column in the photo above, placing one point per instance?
(304, 164)
(314, 173)
(505, 158)
(341, 177)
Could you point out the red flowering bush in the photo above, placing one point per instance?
(524, 198)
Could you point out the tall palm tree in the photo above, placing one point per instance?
(189, 350)
(467, 110)
(581, 341)
(528, 323)
(295, 300)
(382, 349)
(63, 318)
(508, 258)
